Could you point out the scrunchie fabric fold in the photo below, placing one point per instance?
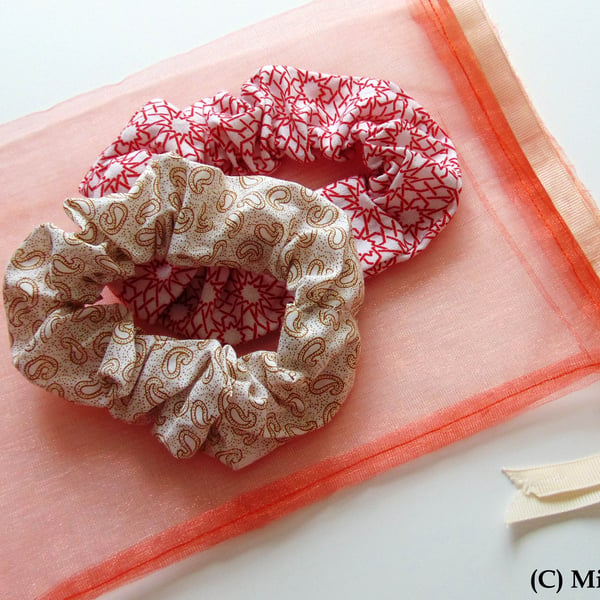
(198, 393)
(407, 197)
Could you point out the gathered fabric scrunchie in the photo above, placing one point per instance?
(409, 194)
(198, 393)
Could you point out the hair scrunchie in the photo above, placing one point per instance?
(409, 194)
(198, 393)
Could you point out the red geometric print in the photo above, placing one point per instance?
(408, 197)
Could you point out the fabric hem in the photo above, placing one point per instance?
(574, 203)
(249, 511)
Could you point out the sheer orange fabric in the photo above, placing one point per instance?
(499, 314)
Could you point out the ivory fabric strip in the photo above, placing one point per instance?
(554, 489)
(451, 339)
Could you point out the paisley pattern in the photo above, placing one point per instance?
(198, 393)
(408, 194)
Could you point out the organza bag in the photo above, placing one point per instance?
(451, 339)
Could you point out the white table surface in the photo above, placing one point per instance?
(432, 528)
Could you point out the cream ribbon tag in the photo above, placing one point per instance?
(554, 489)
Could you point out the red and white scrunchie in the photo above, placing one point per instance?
(409, 195)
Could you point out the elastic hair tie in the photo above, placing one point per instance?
(198, 393)
(408, 196)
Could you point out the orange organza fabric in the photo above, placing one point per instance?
(497, 315)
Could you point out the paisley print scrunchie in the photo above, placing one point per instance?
(198, 393)
(409, 194)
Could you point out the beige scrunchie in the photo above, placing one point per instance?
(198, 393)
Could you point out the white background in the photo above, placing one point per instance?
(432, 528)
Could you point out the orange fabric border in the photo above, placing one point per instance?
(322, 479)
(571, 213)
(558, 177)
